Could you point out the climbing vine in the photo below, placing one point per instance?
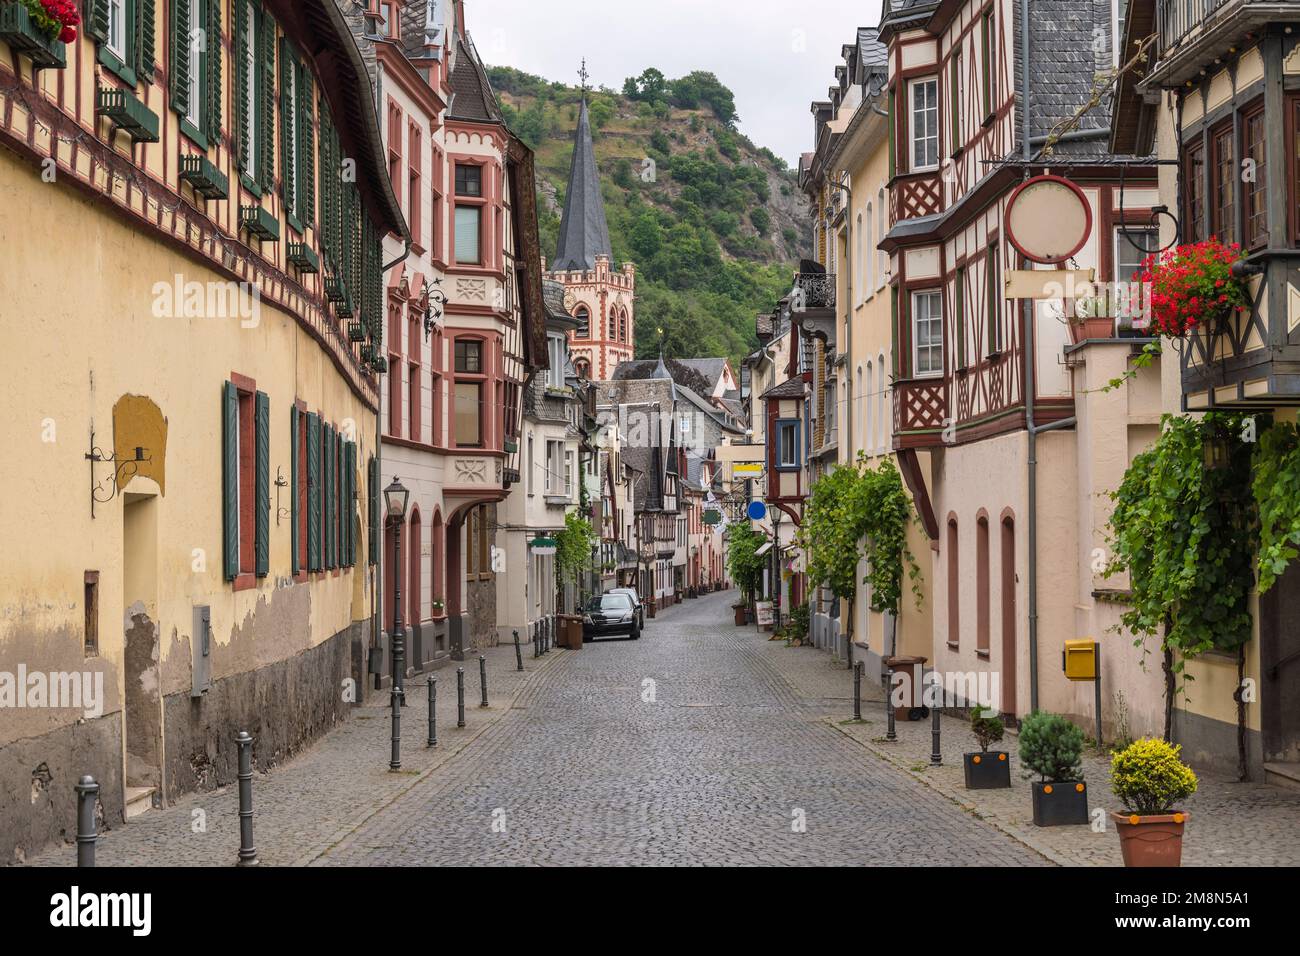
(744, 563)
(851, 505)
(1277, 498)
(573, 547)
(1186, 535)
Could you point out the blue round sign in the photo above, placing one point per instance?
(757, 511)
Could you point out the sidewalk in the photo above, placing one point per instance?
(1229, 824)
(309, 804)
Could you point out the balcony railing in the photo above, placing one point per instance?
(1178, 18)
(813, 290)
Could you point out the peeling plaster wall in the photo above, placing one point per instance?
(95, 356)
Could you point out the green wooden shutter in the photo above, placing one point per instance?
(287, 120)
(306, 146)
(328, 464)
(262, 487)
(95, 16)
(266, 102)
(893, 157)
(144, 40)
(242, 119)
(230, 480)
(313, 491)
(349, 499)
(372, 491)
(212, 59)
(294, 465)
(180, 56)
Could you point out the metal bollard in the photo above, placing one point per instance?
(889, 705)
(936, 755)
(537, 639)
(546, 633)
(460, 697)
(857, 690)
(395, 699)
(482, 679)
(247, 852)
(519, 655)
(433, 711)
(87, 833)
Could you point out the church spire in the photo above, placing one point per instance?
(584, 233)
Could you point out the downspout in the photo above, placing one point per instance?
(848, 351)
(1027, 310)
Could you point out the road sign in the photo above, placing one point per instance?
(746, 469)
(1048, 219)
(756, 511)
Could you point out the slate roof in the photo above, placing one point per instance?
(584, 233)
(790, 388)
(700, 374)
(472, 98)
(424, 22)
(872, 54)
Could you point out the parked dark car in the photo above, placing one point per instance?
(636, 602)
(610, 614)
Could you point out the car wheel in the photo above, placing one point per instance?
(636, 633)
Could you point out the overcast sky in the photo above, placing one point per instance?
(777, 56)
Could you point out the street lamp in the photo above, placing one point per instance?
(395, 498)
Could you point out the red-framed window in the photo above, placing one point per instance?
(470, 357)
(436, 385)
(437, 227)
(395, 148)
(414, 166)
(471, 189)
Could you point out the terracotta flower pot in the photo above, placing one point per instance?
(1150, 840)
(1097, 327)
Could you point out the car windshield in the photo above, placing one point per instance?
(628, 591)
(609, 602)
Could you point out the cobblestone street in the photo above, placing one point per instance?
(725, 763)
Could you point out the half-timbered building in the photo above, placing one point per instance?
(194, 199)
(1003, 395)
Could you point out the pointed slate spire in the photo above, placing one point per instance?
(584, 233)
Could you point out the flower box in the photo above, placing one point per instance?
(987, 770)
(127, 114)
(356, 332)
(259, 223)
(302, 256)
(335, 290)
(1060, 803)
(208, 181)
(380, 364)
(25, 37)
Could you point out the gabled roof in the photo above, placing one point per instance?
(790, 388)
(584, 233)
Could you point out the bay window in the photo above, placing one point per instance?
(923, 127)
(927, 333)
(469, 214)
(467, 393)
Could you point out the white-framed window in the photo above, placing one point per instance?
(1120, 9)
(555, 374)
(568, 475)
(197, 88)
(1132, 245)
(862, 285)
(882, 257)
(117, 28)
(787, 443)
(927, 333)
(249, 92)
(883, 420)
(923, 126)
(555, 477)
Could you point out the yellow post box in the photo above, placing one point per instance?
(1079, 660)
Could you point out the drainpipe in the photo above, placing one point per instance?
(1027, 310)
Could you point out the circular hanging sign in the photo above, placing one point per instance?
(756, 511)
(1048, 219)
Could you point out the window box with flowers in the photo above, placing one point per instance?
(1193, 288)
(40, 29)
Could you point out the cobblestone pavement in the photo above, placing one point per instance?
(307, 804)
(1229, 823)
(685, 747)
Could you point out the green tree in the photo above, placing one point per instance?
(744, 563)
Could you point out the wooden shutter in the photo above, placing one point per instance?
(95, 16)
(893, 151)
(144, 40)
(306, 171)
(262, 487)
(349, 500)
(313, 491)
(180, 56)
(242, 39)
(294, 465)
(330, 500)
(230, 480)
(266, 102)
(215, 91)
(372, 491)
(287, 121)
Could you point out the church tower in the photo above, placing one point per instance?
(600, 297)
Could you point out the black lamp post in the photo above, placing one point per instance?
(395, 498)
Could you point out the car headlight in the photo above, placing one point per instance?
(627, 618)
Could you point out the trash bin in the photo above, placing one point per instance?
(913, 694)
(573, 631)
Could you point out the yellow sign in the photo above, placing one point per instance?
(746, 469)
(1079, 660)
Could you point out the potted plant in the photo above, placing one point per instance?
(1150, 778)
(1051, 747)
(1192, 287)
(986, 770)
(437, 606)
